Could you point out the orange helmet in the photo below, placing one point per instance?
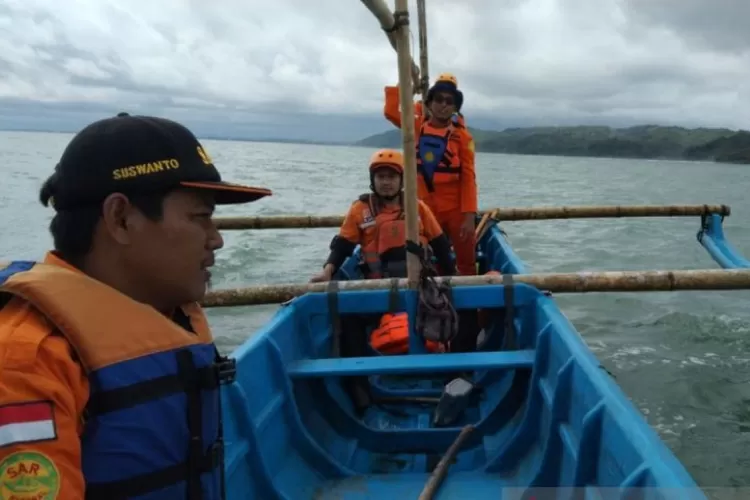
(447, 77)
(390, 158)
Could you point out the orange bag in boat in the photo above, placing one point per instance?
(392, 335)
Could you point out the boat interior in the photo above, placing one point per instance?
(542, 412)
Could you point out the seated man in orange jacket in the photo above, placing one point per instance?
(109, 379)
(376, 222)
(445, 162)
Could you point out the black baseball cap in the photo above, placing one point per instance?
(138, 155)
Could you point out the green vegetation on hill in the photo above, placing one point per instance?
(643, 141)
(731, 149)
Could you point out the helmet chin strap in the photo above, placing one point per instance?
(388, 198)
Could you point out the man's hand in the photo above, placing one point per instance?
(467, 226)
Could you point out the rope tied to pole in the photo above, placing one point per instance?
(437, 318)
(400, 18)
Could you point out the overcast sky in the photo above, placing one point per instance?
(316, 68)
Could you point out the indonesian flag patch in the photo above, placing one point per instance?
(28, 422)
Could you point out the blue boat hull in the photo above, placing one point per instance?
(547, 418)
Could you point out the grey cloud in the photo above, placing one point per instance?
(715, 24)
(298, 67)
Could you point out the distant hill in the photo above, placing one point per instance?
(642, 141)
(732, 149)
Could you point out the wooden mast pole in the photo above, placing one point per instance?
(423, 69)
(406, 91)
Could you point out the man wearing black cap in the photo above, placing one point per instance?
(109, 380)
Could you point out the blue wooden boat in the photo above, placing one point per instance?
(547, 420)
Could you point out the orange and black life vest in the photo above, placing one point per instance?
(384, 254)
(153, 425)
(437, 155)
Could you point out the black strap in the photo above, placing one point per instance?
(187, 372)
(393, 297)
(400, 18)
(333, 311)
(5, 298)
(156, 480)
(415, 248)
(509, 342)
(204, 378)
(448, 170)
(225, 368)
(226, 371)
(191, 381)
(444, 322)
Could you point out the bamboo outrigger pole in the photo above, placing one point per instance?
(406, 93)
(500, 214)
(582, 282)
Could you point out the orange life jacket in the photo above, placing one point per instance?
(438, 160)
(148, 377)
(384, 255)
(392, 335)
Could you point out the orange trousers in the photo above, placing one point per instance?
(466, 256)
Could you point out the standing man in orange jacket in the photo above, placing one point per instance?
(109, 376)
(445, 162)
